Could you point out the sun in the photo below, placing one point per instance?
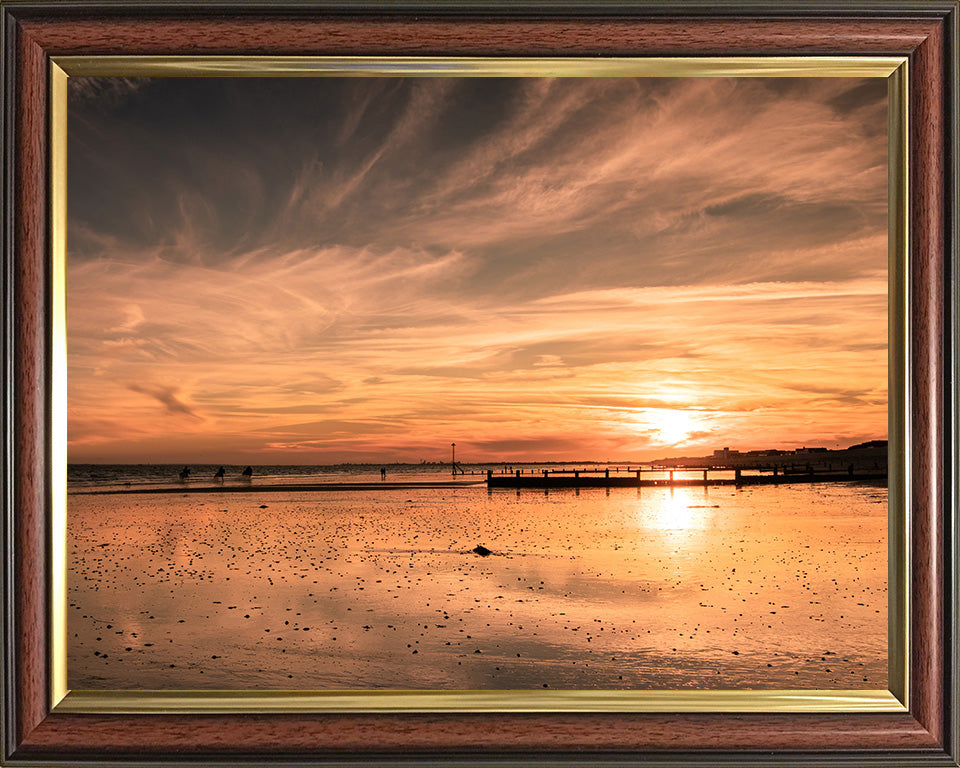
(673, 426)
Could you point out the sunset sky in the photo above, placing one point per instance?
(318, 270)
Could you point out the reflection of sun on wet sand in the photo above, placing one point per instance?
(768, 587)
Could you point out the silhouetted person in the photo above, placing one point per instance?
(184, 473)
(247, 473)
(383, 473)
(219, 475)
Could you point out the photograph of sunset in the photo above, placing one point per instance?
(477, 382)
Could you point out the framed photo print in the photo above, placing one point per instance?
(459, 383)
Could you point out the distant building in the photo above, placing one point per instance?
(869, 444)
(725, 453)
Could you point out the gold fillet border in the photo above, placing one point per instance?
(895, 699)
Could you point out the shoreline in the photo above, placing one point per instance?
(280, 487)
(518, 482)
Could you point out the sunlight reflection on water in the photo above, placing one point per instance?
(677, 509)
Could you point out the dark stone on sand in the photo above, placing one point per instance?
(481, 550)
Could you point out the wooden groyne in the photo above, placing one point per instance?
(603, 478)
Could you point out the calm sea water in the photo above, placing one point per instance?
(764, 587)
(116, 476)
(108, 477)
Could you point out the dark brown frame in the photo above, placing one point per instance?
(924, 31)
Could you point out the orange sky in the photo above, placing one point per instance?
(368, 269)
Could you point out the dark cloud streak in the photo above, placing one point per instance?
(166, 396)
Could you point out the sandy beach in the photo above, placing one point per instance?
(768, 587)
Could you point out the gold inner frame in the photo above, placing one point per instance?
(894, 699)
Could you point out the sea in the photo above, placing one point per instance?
(379, 585)
(114, 477)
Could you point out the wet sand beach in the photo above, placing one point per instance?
(767, 587)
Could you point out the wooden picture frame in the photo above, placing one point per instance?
(35, 33)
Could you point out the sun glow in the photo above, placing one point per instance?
(672, 426)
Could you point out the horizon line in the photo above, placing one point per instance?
(757, 453)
